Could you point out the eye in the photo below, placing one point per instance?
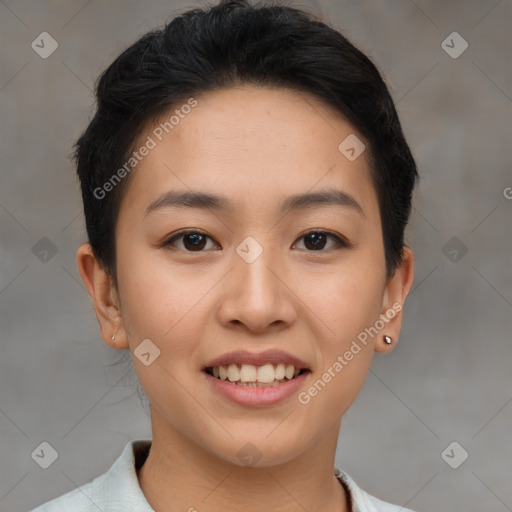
(316, 240)
(193, 241)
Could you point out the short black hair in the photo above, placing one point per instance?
(228, 44)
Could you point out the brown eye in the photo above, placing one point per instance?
(196, 241)
(317, 240)
(193, 241)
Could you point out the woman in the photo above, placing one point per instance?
(246, 187)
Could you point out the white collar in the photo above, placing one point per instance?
(118, 489)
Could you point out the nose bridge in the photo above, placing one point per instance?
(257, 297)
(255, 265)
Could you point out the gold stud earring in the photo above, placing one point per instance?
(388, 340)
(114, 336)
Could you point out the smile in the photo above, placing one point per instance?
(249, 375)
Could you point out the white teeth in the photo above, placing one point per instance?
(248, 373)
(280, 371)
(233, 373)
(251, 375)
(266, 373)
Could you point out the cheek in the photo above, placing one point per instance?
(343, 305)
(161, 304)
(165, 304)
(346, 297)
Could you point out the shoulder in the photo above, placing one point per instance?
(117, 490)
(79, 500)
(364, 502)
(382, 506)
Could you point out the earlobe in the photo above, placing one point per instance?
(102, 291)
(397, 288)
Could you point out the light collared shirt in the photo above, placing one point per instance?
(118, 489)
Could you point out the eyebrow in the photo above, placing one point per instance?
(326, 197)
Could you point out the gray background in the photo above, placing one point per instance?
(449, 378)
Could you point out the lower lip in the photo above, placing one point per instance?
(257, 397)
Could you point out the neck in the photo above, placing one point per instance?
(178, 474)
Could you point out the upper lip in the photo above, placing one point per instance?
(271, 356)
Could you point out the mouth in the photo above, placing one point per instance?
(256, 376)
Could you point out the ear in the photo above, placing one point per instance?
(104, 295)
(397, 289)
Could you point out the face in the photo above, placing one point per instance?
(258, 274)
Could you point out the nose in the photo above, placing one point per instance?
(257, 294)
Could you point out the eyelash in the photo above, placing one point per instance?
(340, 242)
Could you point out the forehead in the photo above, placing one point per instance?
(251, 144)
